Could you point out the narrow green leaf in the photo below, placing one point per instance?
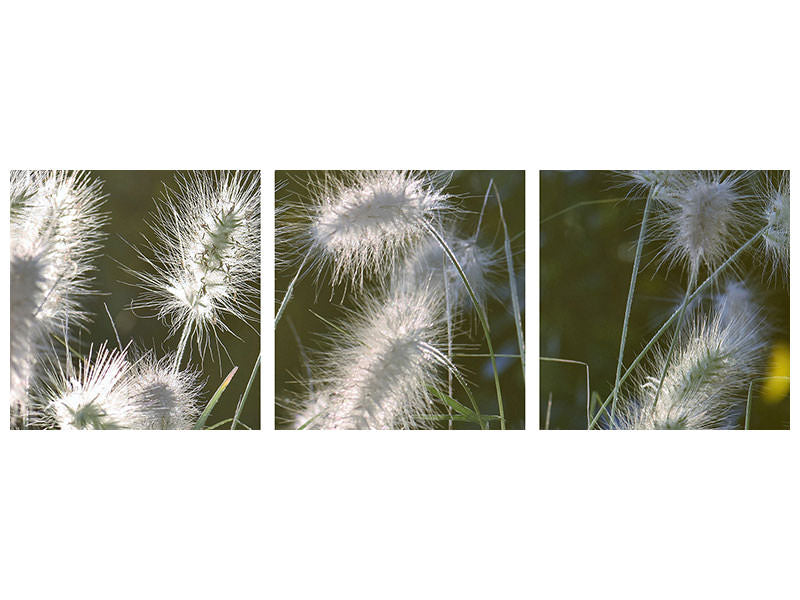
(214, 399)
(243, 399)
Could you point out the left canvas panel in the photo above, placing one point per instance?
(135, 299)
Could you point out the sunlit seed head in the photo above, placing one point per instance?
(99, 395)
(28, 333)
(56, 216)
(168, 399)
(707, 377)
(379, 366)
(358, 224)
(204, 259)
(56, 227)
(699, 221)
(775, 212)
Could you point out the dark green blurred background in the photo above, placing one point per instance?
(471, 186)
(131, 196)
(586, 258)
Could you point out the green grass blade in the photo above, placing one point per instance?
(243, 399)
(481, 315)
(512, 282)
(214, 399)
(459, 418)
(288, 295)
(629, 303)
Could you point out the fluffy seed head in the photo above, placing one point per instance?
(775, 211)
(429, 263)
(100, 395)
(360, 223)
(699, 219)
(706, 381)
(205, 261)
(55, 233)
(168, 399)
(27, 294)
(380, 364)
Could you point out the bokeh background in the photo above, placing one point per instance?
(131, 196)
(586, 258)
(300, 332)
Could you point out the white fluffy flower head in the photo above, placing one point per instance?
(700, 218)
(775, 210)
(99, 395)
(205, 259)
(381, 363)
(707, 377)
(168, 399)
(362, 222)
(55, 234)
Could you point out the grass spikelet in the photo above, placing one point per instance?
(169, 399)
(700, 218)
(360, 223)
(204, 256)
(99, 395)
(380, 364)
(705, 386)
(429, 262)
(775, 210)
(55, 234)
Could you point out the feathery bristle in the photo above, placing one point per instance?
(430, 263)
(360, 223)
(55, 234)
(706, 381)
(775, 209)
(205, 260)
(99, 395)
(169, 399)
(380, 364)
(700, 218)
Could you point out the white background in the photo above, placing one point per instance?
(489, 85)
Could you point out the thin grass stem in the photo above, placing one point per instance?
(578, 205)
(574, 362)
(634, 275)
(481, 316)
(288, 295)
(187, 329)
(243, 399)
(512, 282)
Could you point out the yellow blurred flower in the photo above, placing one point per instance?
(777, 386)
